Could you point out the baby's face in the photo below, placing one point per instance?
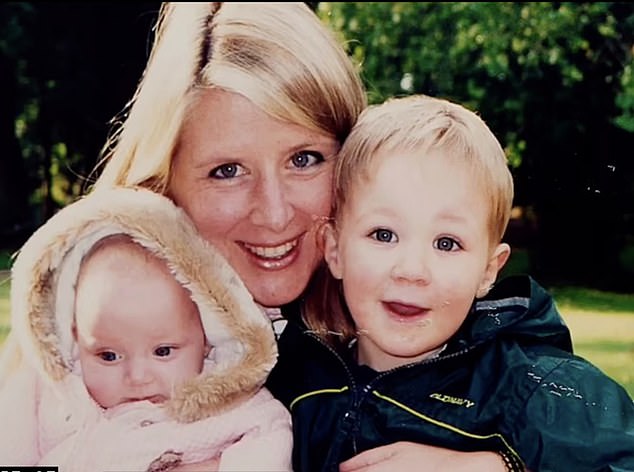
(139, 333)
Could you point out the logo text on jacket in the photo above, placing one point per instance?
(454, 400)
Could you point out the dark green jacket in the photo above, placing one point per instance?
(507, 381)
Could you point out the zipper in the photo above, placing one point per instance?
(433, 360)
(351, 417)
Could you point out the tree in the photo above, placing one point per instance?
(15, 185)
(73, 66)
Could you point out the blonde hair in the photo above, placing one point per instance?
(279, 56)
(416, 123)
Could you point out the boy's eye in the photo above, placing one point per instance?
(163, 351)
(108, 356)
(447, 244)
(226, 171)
(384, 235)
(306, 159)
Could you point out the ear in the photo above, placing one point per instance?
(498, 258)
(331, 251)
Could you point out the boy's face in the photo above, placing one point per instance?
(413, 250)
(138, 332)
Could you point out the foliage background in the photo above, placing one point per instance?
(554, 80)
(66, 69)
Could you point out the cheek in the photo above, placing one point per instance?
(369, 266)
(457, 285)
(212, 211)
(311, 197)
(321, 194)
(363, 274)
(99, 382)
(214, 214)
(178, 373)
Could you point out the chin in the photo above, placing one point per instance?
(277, 289)
(274, 300)
(277, 294)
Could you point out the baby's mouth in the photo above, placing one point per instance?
(156, 399)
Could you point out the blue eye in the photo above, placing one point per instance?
(447, 244)
(226, 171)
(306, 159)
(108, 356)
(384, 235)
(163, 351)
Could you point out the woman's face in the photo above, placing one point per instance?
(255, 188)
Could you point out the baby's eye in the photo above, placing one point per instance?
(447, 244)
(384, 235)
(306, 159)
(227, 171)
(108, 356)
(163, 351)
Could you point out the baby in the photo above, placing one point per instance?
(151, 352)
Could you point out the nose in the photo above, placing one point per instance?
(138, 372)
(412, 265)
(272, 204)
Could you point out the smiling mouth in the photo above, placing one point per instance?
(404, 309)
(272, 252)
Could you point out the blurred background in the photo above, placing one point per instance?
(554, 81)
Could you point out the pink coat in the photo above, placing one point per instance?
(48, 416)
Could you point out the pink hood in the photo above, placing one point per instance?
(46, 269)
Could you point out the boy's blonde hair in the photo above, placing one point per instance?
(279, 56)
(421, 124)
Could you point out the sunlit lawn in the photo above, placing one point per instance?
(602, 326)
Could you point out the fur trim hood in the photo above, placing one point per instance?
(43, 293)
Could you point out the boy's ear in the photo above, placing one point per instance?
(497, 260)
(331, 251)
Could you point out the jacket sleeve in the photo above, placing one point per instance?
(576, 418)
(19, 442)
(37, 415)
(267, 446)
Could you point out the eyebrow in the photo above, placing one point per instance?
(449, 215)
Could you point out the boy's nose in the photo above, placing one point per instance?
(412, 266)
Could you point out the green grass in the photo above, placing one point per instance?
(615, 358)
(601, 323)
(605, 338)
(4, 304)
(593, 300)
(602, 326)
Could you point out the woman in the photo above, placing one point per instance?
(238, 117)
